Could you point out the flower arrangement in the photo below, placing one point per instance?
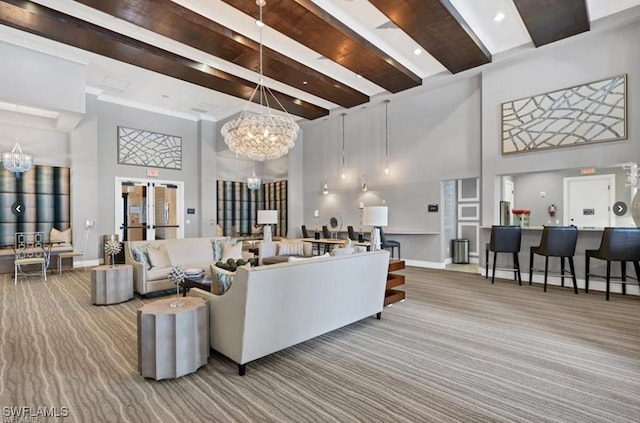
(112, 248)
(177, 275)
(519, 212)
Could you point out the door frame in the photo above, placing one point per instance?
(610, 178)
(119, 217)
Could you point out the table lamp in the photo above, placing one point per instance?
(375, 217)
(267, 218)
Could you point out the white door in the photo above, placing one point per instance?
(149, 209)
(588, 201)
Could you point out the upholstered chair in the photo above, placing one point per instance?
(556, 241)
(618, 244)
(504, 239)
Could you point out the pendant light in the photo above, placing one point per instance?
(325, 187)
(363, 186)
(344, 173)
(386, 137)
(253, 182)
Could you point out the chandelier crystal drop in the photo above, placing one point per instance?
(264, 136)
(16, 161)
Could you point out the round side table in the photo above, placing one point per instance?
(173, 341)
(111, 285)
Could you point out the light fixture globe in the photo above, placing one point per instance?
(253, 182)
(260, 137)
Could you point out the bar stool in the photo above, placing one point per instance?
(618, 244)
(556, 241)
(504, 239)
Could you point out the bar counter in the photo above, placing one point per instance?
(588, 239)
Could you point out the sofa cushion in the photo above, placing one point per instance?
(158, 257)
(300, 258)
(291, 247)
(231, 251)
(158, 273)
(60, 237)
(275, 260)
(342, 251)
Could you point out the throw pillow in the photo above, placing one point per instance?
(221, 280)
(60, 237)
(291, 248)
(158, 257)
(140, 255)
(293, 258)
(342, 251)
(231, 251)
(218, 245)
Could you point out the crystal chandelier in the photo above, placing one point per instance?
(253, 182)
(16, 161)
(264, 136)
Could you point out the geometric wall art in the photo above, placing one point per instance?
(151, 149)
(584, 114)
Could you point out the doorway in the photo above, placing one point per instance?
(588, 201)
(149, 209)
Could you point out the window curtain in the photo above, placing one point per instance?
(238, 206)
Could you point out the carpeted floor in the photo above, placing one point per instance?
(457, 350)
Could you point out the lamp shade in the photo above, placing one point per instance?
(375, 216)
(267, 217)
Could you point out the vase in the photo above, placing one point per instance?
(635, 209)
(178, 302)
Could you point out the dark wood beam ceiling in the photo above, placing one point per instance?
(552, 20)
(39, 20)
(308, 24)
(171, 20)
(439, 29)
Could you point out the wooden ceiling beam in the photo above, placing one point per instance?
(552, 20)
(311, 26)
(45, 22)
(171, 20)
(439, 29)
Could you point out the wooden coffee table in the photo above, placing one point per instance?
(194, 283)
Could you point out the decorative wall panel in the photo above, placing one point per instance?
(36, 202)
(584, 114)
(151, 149)
(238, 206)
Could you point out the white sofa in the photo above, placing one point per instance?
(187, 252)
(269, 308)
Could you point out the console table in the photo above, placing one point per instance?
(173, 341)
(111, 285)
(393, 280)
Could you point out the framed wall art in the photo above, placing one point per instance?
(151, 149)
(579, 115)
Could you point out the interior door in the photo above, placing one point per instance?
(165, 203)
(134, 210)
(588, 201)
(149, 210)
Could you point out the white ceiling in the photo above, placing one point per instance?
(126, 84)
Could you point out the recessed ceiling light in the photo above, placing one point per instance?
(259, 23)
(417, 51)
(499, 17)
(358, 76)
(304, 82)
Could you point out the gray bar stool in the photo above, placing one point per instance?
(504, 239)
(556, 241)
(618, 244)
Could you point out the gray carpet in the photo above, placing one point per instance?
(457, 350)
